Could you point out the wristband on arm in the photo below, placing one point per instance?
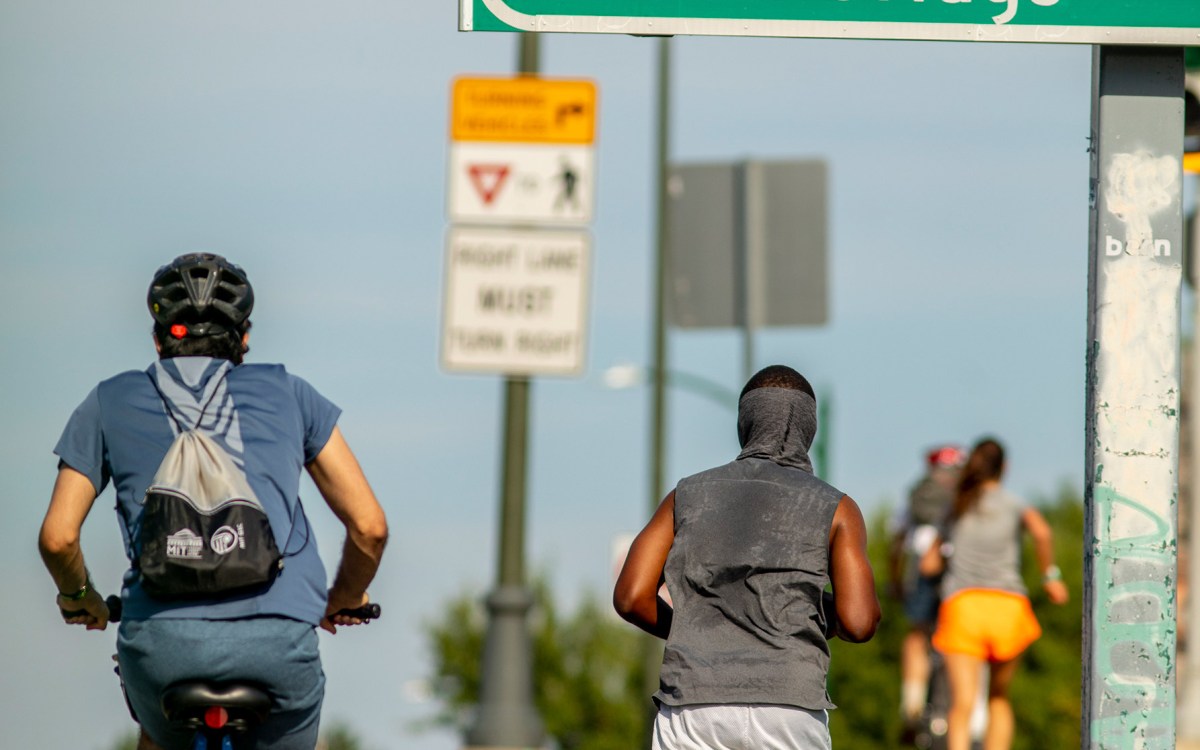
(82, 592)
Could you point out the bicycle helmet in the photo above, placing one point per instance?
(946, 456)
(200, 294)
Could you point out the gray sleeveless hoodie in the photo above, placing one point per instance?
(747, 567)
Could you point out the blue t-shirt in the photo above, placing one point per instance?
(271, 422)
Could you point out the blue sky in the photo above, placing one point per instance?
(307, 142)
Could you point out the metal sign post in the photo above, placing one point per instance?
(1135, 270)
(521, 169)
(1170, 22)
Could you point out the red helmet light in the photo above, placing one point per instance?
(216, 717)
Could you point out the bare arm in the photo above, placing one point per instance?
(850, 572)
(342, 483)
(1043, 548)
(58, 543)
(897, 564)
(933, 562)
(635, 596)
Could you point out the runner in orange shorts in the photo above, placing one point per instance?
(985, 615)
(987, 624)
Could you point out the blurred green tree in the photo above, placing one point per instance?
(126, 741)
(339, 736)
(587, 670)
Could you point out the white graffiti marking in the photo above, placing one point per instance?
(1139, 186)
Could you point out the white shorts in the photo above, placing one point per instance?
(739, 727)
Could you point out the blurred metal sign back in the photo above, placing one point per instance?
(748, 244)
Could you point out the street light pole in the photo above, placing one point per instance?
(626, 375)
(652, 654)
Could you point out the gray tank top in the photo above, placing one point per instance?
(745, 572)
(987, 546)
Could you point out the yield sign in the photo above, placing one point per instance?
(487, 179)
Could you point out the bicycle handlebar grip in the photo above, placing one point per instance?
(114, 607)
(368, 611)
(113, 603)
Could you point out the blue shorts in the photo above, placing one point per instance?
(276, 653)
(921, 604)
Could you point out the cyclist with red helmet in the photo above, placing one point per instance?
(273, 425)
(929, 501)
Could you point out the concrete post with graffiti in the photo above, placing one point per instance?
(1135, 271)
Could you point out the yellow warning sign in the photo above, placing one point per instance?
(526, 109)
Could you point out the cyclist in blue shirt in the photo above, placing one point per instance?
(273, 425)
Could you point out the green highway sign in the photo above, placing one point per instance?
(1140, 22)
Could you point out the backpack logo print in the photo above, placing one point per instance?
(225, 539)
(185, 544)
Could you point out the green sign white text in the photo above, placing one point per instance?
(1148, 22)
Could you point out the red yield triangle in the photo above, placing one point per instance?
(487, 179)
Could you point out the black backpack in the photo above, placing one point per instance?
(202, 532)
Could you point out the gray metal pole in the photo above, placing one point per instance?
(507, 716)
(1189, 692)
(652, 655)
(750, 254)
(824, 430)
(754, 208)
(1132, 433)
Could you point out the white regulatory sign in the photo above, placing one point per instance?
(515, 302)
(545, 184)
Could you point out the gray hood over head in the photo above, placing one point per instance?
(777, 424)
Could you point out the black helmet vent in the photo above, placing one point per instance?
(203, 290)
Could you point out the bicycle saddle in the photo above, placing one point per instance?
(184, 700)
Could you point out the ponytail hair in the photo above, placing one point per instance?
(985, 463)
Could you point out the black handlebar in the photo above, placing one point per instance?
(368, 611)
(113, 603)
(114, 607)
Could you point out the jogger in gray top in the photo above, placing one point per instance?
(746, 551)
